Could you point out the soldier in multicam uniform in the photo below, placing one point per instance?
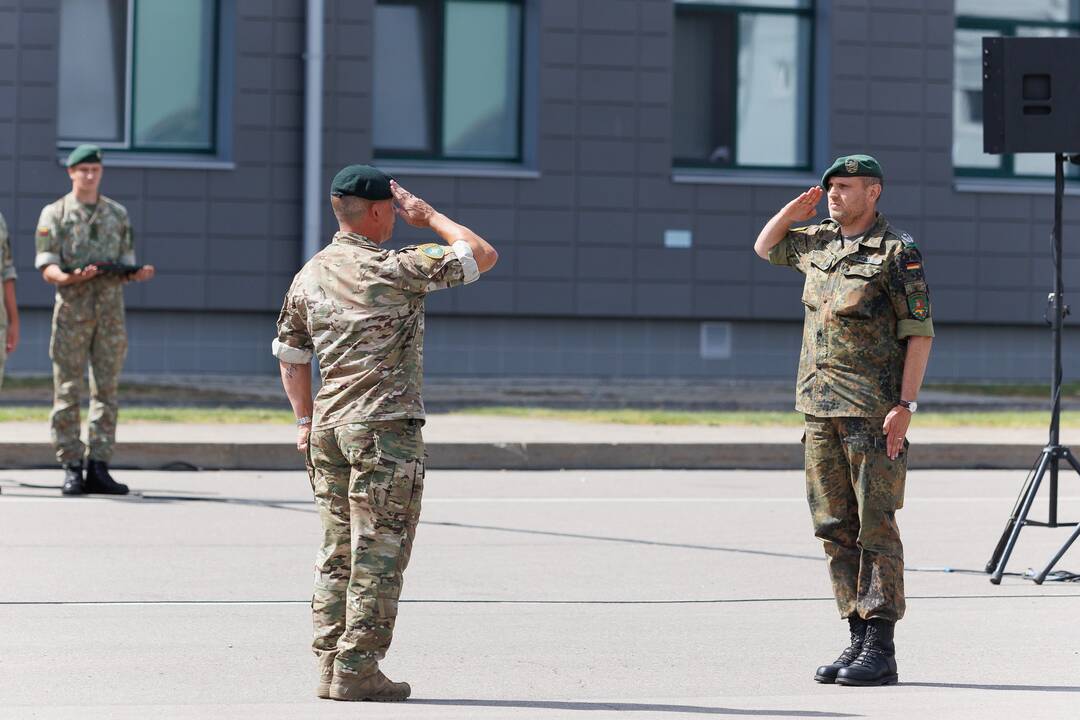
(866, 342)
(359, 309)
(9, 311)
(75, 235)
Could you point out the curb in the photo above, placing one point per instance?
(530, 456)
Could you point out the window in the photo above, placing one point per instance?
(138, 74)
(742, 83)
(448, 79)
(976, 19)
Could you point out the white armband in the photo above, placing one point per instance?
(43, 258)
(289, 354)
(468, 262)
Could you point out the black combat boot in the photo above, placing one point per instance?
(827, 673)
(876, 664)
(73, 480)
(98, 480)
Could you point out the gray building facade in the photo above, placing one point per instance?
(621, 252)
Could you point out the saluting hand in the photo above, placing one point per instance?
(895, 428)
(804, 207)
(412, 209)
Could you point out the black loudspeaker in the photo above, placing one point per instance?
(1031, 95)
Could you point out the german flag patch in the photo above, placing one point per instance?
(43, 231)
(914, 265)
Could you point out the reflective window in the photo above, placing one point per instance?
(448, 79)
(742, 84)
(138, 74)
(975, 20)
(173, 78)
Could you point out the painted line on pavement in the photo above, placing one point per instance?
(481, 601)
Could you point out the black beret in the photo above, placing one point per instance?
(84, 154)
(852, 166)
(362, 181)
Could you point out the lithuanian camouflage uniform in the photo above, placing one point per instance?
(359, 310)
(88, 320)
(862, 300)
(7, 272)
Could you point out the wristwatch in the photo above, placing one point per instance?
(306, 420)
(910, 405)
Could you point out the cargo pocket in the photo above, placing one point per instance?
(394, 483)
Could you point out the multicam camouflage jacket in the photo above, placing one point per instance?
(70, 234)
(862, 300)
(360, 310)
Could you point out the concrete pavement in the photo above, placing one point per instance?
(507, 443)
(649, 594)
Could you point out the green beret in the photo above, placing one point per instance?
(84, 154)
(362, 181)
(852, 166)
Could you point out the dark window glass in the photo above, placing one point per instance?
(742, 84)
(448, 79)
(138, 74)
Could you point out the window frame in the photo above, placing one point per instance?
(127, 145)
(1007, 27)
(809, 13)
(437, 155)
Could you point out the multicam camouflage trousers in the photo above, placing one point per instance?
(102, 339)
(854, 491)
(368, 480)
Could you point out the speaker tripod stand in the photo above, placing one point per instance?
(1054, 452)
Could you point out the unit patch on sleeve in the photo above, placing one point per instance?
(919, 305)
(434, 251)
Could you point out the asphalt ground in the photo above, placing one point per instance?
(647, 594)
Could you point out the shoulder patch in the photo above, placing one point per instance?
(907, 240)
(919, 305)
(433, 251)
(43, 231)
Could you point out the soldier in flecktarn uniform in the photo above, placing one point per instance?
(866, 342)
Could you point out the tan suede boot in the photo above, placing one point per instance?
(326, 674)
(375, 687)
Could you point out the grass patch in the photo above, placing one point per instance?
(629, 416)
(193, 415)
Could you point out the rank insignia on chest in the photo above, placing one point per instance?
(919, 305)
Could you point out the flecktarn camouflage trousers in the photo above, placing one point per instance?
(99, 338)
(368, 480)
(854, 491)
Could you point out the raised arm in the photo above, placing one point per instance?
(800, 209)
(418, 213)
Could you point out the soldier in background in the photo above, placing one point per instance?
(77, 238)
(9, 311)
(359, 309)
(866, 342)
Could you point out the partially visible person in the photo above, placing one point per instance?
(359, 309)
(84, 242)
(9, 318)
